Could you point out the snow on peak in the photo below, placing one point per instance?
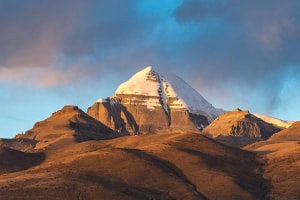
(274, 121)
(142, 83)
(170, 91)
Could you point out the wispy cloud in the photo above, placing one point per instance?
(42, 77)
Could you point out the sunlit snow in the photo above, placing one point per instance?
(274, 121)
(169, 91)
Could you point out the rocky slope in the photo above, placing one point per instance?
(238, 128)
(66, 126)
(150, 102)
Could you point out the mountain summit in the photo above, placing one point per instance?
(172, 92)
(151, 101)
(67, 126)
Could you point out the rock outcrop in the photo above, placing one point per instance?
(238, 128)
(151, 102)
(113, 114)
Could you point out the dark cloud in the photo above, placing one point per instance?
(60, 34)
(251, 45)
(32, 32)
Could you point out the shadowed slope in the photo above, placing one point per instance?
(22, 144)
(13, 160)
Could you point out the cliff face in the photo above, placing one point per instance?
(148, 119)
(114, 115)
(133, 117)
(239, 128)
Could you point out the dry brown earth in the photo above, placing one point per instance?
(160, 166)
(282, 155)
(67, 126)
(60, 158)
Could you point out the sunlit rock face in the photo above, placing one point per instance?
(239, 128)
(151, 102)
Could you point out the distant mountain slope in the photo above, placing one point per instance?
(151, 101)
(292, 133)
(276, 122)
(239, 128)
(67, 126)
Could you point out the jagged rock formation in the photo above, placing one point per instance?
(239, 128)
(151, 102)
(66, 126)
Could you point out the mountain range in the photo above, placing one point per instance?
(155, 138)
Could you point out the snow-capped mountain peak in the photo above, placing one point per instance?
(169, 91)
(134, 84)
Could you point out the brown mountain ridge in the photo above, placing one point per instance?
(158, 166)
(67, 126)
(74, 156)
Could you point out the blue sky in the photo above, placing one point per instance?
(235, 53)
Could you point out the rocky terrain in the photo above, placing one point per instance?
(239, 128)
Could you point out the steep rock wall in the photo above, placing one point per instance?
(136, 114)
